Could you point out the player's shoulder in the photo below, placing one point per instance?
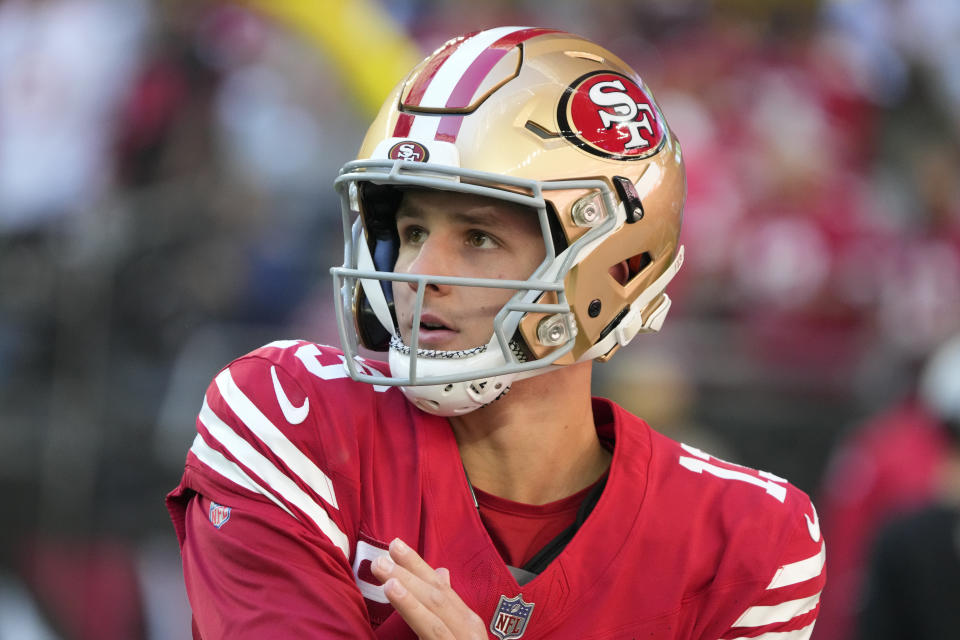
(724, 483)
(285, 424)
(296, 392)
(299, 367)
(753, 512)
(315, 362)
(757, 551)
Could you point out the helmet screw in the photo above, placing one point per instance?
(552, 330)
(594, 309)
(586, 212)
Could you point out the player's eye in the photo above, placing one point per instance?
(412, 234)
(481, 240)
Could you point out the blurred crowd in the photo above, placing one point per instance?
(166, 205)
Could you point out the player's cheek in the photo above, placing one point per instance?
(402, 300)
(488, 302)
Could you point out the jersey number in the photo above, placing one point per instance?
(309, 355)
(701, 462)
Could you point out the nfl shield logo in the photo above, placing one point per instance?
(219, 514)
(511, 617)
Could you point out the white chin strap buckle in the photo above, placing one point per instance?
(655, 320)
(633, 323)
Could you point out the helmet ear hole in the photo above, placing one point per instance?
(637, 264)
(624, 272)
(620, 272)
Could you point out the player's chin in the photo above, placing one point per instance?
(438, 339)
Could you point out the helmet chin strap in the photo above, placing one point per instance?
(455, 398)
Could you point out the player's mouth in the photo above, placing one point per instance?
(434, 332)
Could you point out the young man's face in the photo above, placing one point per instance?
(455, 234)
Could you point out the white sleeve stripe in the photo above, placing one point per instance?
(800, 571)
(761, 615)
(230, 470)
(275, 479)
(278, 443)
(797, 634)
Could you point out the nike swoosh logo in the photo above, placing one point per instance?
(813, 526)
(294, 415)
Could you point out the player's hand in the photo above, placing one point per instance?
(424, 598)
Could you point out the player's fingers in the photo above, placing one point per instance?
(432, 588)
(410, 560)
(434, 593)
(444, 575)
(421, 620)
(427, 623)
(465, 623)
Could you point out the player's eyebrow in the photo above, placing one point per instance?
(485, 216)
(480, 218)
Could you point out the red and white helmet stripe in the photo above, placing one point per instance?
(451, 79)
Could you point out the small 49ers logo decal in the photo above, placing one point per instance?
(410, 151)
(609, 115)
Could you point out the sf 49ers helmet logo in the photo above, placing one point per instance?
(610, 115)
(410, 151)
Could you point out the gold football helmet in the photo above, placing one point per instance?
(545, 119)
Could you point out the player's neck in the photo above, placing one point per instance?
(538, 443)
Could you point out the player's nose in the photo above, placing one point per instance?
(435, 257)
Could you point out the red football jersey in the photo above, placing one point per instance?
(300, 476)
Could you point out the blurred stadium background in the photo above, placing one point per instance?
(166, 205)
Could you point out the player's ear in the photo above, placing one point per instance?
(620, 272)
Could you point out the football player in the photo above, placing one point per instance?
(513, 215)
